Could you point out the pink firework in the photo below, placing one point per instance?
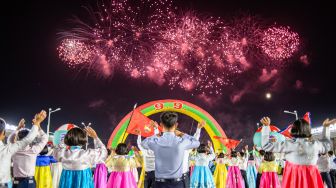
(123, 32)
(189, 57)
(279, 43)
(75, 52)
(232, 50)
(245, 29)
(145, 39)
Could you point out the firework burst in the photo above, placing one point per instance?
(279, 43)
(189, 57)
(123, 32)
(75, 52)
(145, 39)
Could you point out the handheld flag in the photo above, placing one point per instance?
(307, 117)
(287, 132)
(229, 143)
(140, 123)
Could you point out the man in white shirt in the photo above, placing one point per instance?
(332, 168)
(169, 149)
(323, 164)
(185, 167)
(24, 160)
(6, 151)
(243, 160)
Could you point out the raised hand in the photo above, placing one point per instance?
(266, 121)
(39, 118)
(209, 144)
(201, 124)
(135, 149)
(179, 133)
(327, 122)
(21, 124)
(90, 132)
(154, 124)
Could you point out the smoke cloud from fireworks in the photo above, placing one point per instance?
(149, 40)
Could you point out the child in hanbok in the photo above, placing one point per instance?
(202, 176)
(56, 171)
(234, 178)
(192, 162)
(301, 153)
(121, 165)
(100, 175)
(77, 162)
(43, 176)
(269, 172)
(220, 173)
(251, 173)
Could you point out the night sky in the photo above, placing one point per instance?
(34, 78)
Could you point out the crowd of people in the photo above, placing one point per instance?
(170, 159)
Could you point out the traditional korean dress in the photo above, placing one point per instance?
(77, 163)
(301, 156)
(234, 178)
(269, 175)
(220, 174)
(42, 175)
(121, 171)
(100, 175)
(201, 175)
(251, 174)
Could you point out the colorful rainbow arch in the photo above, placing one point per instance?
(212, 127)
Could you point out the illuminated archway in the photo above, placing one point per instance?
(212, 127)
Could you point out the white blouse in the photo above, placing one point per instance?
(203, 159)
(80, 159)
(233, 161)
(243, 161)
(301, 151)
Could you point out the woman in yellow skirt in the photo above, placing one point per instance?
(220, 173)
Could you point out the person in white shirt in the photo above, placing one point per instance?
(185, 164)
(323, 164)
(243, 160)
(6, 151)
(332, 168)
(169, 149)
(24, 160)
